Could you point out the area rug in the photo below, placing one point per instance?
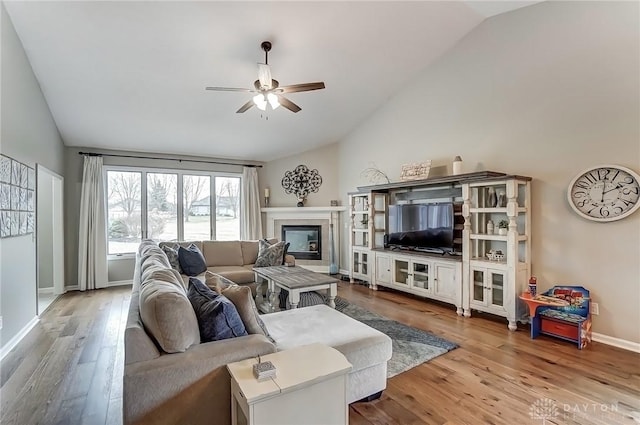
(411, 346)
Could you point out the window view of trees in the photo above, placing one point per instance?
(227, 208)
(162, 206)
(126, 211)
(125, 215)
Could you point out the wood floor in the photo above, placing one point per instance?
(68, 370)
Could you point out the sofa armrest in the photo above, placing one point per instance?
(190, 387)
(290, 259)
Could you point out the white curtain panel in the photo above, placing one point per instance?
(250, 219)
(92, 252)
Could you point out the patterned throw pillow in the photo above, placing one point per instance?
(269, 255)
(191, 260)
(172, 256)
(217, 317)
(241, 297)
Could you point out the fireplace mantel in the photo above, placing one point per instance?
(276, 216)
(301, 210)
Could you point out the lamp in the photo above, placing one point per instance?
(273, 100)
(260, 100)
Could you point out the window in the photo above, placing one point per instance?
(171, 205)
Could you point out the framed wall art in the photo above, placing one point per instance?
(17, 198)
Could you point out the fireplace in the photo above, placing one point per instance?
(305, 241)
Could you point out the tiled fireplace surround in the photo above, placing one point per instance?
(275, 217)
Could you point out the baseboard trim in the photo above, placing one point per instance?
(72, 288)
(45, 290)
(344, 272)
(119, 283)
(616, 342)
(10, 345)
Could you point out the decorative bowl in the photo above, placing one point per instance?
(495, 256)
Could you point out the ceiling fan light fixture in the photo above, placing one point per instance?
(273, 100)
(260, 102)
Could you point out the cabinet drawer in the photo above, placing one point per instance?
(566, 330)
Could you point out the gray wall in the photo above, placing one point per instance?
(545, 91)
(119, 269)
(29, 134)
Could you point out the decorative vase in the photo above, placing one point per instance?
(502, 231)
(300, 202)
(490, 227)
(502, 199)
(492, 199)
(457, 165)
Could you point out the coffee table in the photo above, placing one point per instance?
(296, 280)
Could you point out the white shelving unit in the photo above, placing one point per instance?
(488, 285)
(368, 224)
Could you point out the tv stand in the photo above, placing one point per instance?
(474, 279)
(431, 275)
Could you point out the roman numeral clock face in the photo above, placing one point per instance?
(605, 193)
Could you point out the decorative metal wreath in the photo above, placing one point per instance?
(301, 181)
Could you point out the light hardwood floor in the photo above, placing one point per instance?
(68, 370)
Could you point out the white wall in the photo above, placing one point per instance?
(544, 91)
(29, 135)
(323, 159)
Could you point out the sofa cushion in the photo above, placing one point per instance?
(222, 253)
(237, 274)
(165, 275)
(217, 282)
(270, 255)
(191, 260)
(168, 316)
(249, 251)
(241, 298)
(216, 315)
(172, 255)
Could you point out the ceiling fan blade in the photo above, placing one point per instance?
(229, 89)
(264, 76)
(301, 87)
(288, 104)
(245, 107)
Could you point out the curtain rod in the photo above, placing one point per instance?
(168, 159)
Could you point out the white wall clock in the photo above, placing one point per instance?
(605, 193)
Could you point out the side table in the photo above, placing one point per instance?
(310, 387)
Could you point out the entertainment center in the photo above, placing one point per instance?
(436, 238)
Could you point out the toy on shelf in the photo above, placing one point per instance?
(563, 312)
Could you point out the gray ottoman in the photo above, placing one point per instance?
(367, 349)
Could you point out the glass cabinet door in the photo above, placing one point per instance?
(401, 272)
(356, 262)
(420, 274)
(365, 263)
(478, 286)
(497, 288)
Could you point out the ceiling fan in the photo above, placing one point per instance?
(268, 91)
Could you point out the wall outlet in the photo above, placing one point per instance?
(595, 310)
(0, 322)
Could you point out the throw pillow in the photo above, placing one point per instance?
(286, 250)
(172, 256)
(216, 282)
(241, 297)
(269, 255)
(217, 317)
(191, 260)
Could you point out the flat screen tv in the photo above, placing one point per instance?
(421, 226)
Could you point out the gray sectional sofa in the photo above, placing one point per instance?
(170, 377)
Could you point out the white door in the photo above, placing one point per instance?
(49, 236)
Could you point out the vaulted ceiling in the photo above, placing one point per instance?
(131, 75)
